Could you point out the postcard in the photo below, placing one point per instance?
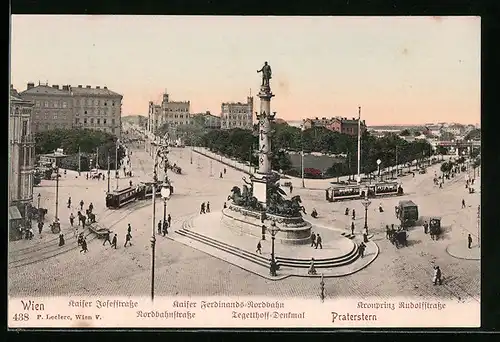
(244, 172)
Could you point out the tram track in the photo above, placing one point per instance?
(37, 254)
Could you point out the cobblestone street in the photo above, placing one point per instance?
(181, 270)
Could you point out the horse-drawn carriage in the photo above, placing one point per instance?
(435, 227)
(399, 238)
(37, 214)
(407, 213)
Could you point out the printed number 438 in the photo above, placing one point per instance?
(21, 317)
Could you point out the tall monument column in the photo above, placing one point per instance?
(265, 117)
(264, 175)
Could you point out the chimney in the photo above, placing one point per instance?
(31, 85)
(88, 87)
(65, 87)
(98, 87)
(105, 87)
(55, 86)
(80, 86)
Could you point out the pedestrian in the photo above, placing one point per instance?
(103, 177)
(106, 239)
(469, 241)
(91, 207)
(208, 207)
(291, 188)
(224, 170)
(473, 179)
(71, 219)
(202, 208)
(84, 218)
(437, 276)
(130, 183)
(220, 174)
(224, 206)
(69, 202)
(365, 235)
(362, 248)
(169, 220)
(165, 231)
(387, 231)
(352, 228)
(76, 232)
(353, 214)
(81, 204)
(128, 237)
(426, 227)
(346, 211)
(113, 243)
(159, 227)
(312, 269)
(259, 248)
(129, 230)
(61, 240)
(313, 240)
(79, 214)
(40, 227)
(87, 176)
(318, 242)
(84, 246)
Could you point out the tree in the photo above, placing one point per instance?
(405, 133)
(475, 134)
(446, 167)
(446, 136)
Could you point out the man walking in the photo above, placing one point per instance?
(362, 248)
(259, 248)
(469, 241)
(208, 207)
(129, 230)
(318, 242)
(159, 227)
(463, 203)
(81, 204)
(437, 276)
(71, 219)
(84, 246)
(127, 240)
(165, 231)
(169, 220)
(40, 227)
(107, 239)
(352, 228)
(202, 208)
(313, 240)
(426, 227)
(353, 214)
(69, 202)
(115, 240)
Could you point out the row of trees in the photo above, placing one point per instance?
(84, 140)
(243, 145)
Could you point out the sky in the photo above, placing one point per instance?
(399, 70)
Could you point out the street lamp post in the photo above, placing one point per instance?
(366, 203)
(116, 163)
(273, 230)
(38, 197)
(165, 190)
(302, 128)
(153, 226)
(191, 159)
(109, 172)
(378, 168)
(397, 162)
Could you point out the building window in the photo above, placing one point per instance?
(55, 116)
(113, 103)
(77, 120)
(105, 103)
(65, 104)
(98, 121)
(85, 112)
(47, 126)
(92, 120)
(46, 104)
(104, 121)
(96, 102)
(37, 103)
(25, 128)
(112, 121)
(56, 104)
(85, 121)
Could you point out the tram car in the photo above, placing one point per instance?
(145, 191)
(385, 189)
(118, 198)
(344, 193)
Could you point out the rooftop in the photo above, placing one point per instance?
(68, 90)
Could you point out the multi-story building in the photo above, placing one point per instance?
(237, 114)
(207, 119)
(336, 124)
(21, 152)
(97, 108)
(74, 107)
(173, 113)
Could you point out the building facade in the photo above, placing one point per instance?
(336, 124)
(207, 119)
(173, 113)
(74, 107)
(237, 114)
(21, 152)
